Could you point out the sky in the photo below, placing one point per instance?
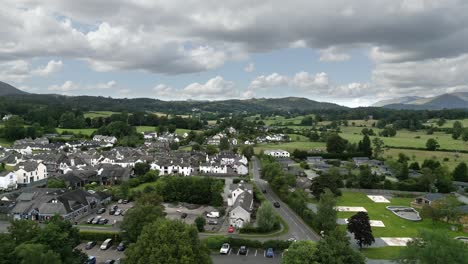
(350, 52)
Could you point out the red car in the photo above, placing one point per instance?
(231, 229)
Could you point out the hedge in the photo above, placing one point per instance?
(99, 236)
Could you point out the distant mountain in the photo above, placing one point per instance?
(444, 101)
(6, 89)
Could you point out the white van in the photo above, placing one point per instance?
(106, 244)
(212, 215)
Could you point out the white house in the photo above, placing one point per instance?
(241, 208)
(8, 180)
(106, 139)
(150, 135)
(213, 167)
(241, 169)
(28, 172)
(277, 153)
(166, 168)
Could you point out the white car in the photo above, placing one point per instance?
(225, 248)
(212, 215)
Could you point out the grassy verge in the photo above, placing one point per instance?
(5, 143)
(389, 253)
(84, 131)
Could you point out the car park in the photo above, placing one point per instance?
(121, 246)
(225, 248)
(276, 204)
(270, 253)
(90, 245)
(106, 244)
(231, 229)
(101, 211)
(212, 222)
(243, 250)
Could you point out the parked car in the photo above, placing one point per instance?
(276, 204)
(90, 245)
(231, 229)
(118, 212)
(212, 215)
(115, 207)
(292, 239)
(125, 201)
(243, 250)
(264, 191)
(183, 215)
(225, 248)
(212, 222)
(102, 210)
(96, 220)
(109, 261)
(111, 212)
(121, 246)
(103, 221)
(269, 253)
(90, 220)
(106, 244)
(91, 260)
(120, 201)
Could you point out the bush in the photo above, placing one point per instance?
(99, 236)
(277, 244)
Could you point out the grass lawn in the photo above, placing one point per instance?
(421, 155)
(389, 253)
(95, 114)
(290, 146)
(84, 131)
(141, 129)
(394, 226)
(5, 143)
(142, 186)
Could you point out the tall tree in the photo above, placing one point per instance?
(432, 144)
(224, 144)
(331, 180)
(168, 242)
(365, 147)
(378, 147)
(267, 219)
(359, 225)
(336, 144)
(36, 254)
(457, 129)
(137, 218)
(434, 247)
(200, 222)
(335, 248)
(460, 173)
(301, 252)
(326, 213)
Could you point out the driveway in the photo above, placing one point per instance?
(297, 228)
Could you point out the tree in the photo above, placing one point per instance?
(14, 128)
(460, 173)
(367, 179)
(336, 144)
(432, 144)
(378, 147)
(137, 217)
(326, 213)
(465, 134)
(200, 223)
(335, 248)
(359, 225)
(36, 254)
(301, 252)
(332, 180)
(55, 183)
(267, 220)
(7, 246)
(448, 208)
(224, 144)
(141, 168)
(211, 150)
(457, 129)
(168, 242)
(23, 230)
(433, 247)
(364, 146)
(248, 151)
(414, 166)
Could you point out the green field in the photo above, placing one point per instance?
(5, 143)
(290, 146)
(84, 131)
(279, 120)
(394, 226)
(141, 129)
(405, 138)
(421, 155)
(95, 114)
(448, 123)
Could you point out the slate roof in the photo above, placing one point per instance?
(433, 196)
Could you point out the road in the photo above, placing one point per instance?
(297, 227)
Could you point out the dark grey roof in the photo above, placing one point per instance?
(433, 196)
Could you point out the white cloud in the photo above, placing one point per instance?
(51, 67)
(214, 88)
(165, 91)
(66, 87)
(333, 54)
(107, 85)
(266, 81)
(249, 67)
(14, 71)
